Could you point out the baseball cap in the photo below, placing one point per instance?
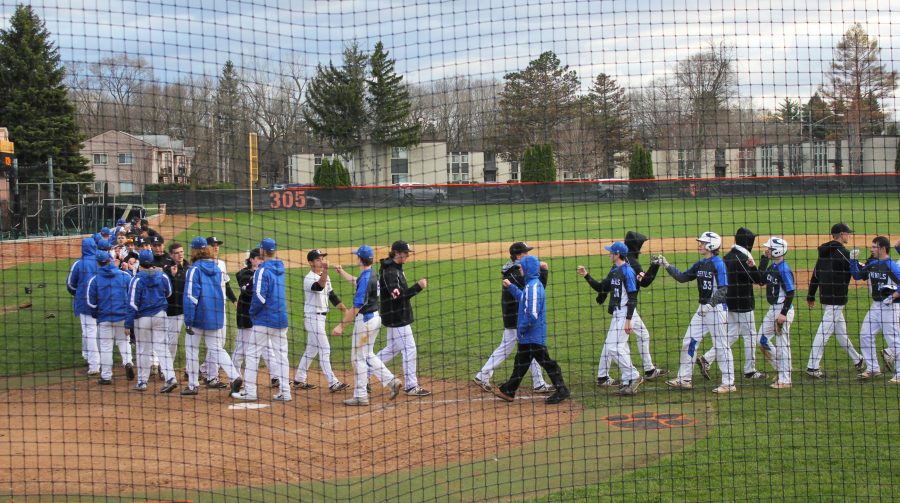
(618, 248)
(199, 243)
(314, 254)
(102, 256)
(157, 239)
(267, 244)
(120, 221)
(146, 258)
(519, 247)
(139, 241)
(840, 227)
(103, 245)
(212, 240)
(365, 251)
(105, 231)
(401, 246)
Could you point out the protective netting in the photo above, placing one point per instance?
(256, 251)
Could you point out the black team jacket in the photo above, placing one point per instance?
(831, 276)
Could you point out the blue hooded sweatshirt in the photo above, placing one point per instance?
(268, 308)
(204, 301)
(148, 294)
(532, 323)
(79, 275)
(108, 294)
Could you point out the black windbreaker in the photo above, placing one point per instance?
(244, 279)
(831, 276)
(635, 241)
(176, 306)
(741, 277)
(395, 312)
(508, 303)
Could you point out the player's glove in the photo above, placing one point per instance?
(854, 254)
(704, 308)
(888, 300)
(189, 330)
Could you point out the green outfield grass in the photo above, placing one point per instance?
(828, 439)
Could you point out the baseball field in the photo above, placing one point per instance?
(63, 438)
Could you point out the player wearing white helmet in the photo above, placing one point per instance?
(712, 283)
(774, 333)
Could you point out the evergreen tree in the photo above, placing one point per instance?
(538, 164)
(610, 121)
(789, 112)
(229, 124)
(317, 176)
(335, 108)
(34, 103)
(389, 104)
(641, 165)
(342, 175)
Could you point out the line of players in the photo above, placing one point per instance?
(727, 303)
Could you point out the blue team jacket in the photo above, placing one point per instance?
(107, 294)
(204, 301)
(268, 307)
(79, 275)
(532, 322)
(148, 294)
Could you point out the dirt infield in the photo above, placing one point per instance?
(81, 438)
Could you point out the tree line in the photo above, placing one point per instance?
(538, 114)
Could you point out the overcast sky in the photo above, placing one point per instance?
(783, 47)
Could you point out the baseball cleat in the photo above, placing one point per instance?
(243, 395)
(722, 389)
(890, 361)
(92, 372)
(678, 383)
(338, 386)
(704, 367)
(357, 402)
(544, 389)
(868, 375)
(275, 382)
(417, 391)
(190, 390)
(654, 373)
(236, 385)
(630, 388)
(484, 385)
(129, 371)
(215, 383)
(104, 381)
(894, 380)
(498, 392)
(395, 386)
(557, 397)
(780, 385)
(282, 397)
(303, 385)
(815, 373)
(170, 385)
(607, 382)
(860, 365)
(755, 375)
(141, 386)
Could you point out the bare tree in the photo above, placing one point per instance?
(457, 109)
(123, 80)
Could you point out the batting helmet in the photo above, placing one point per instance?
(711, 241)
(778, 246)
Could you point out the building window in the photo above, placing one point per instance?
(747, 162)
(682, 163)
(820, 157)
(126, 187)
(318, 158)
(767, 160)
(458, 167)
(100, 159)
(514, 171)
(399, 165)
(126, 158)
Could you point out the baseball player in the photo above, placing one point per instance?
(397, 316)
(161, 260)
(147, 294)
(712, 283)
(244, 324)
(635, 241)
(318, 293)
(211, 371)
(268, 313)
(831, 279)
(365, 330)
(741, 301)
(175, 270)
(531, 332)
(622, 283)
(775, 331)
(107, 295)
(510, 309)
(884, 276)
(204, 316)
(80, 273)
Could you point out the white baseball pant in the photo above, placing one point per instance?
(109, 333)
(209, 367)
(507, 347)
(833, 322)
(400, 340)
(316, 344)
(363, 356)
(90, 347)
(616, 347)
(151, 337)
(740, 325)
(779, 345)
(192, 354)
(713, 323)
(174, 324)
(882, 318)
(260, 339)
(639, 329)
(242, 342)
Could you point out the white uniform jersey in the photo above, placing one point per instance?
(315, 301)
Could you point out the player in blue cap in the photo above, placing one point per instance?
(147, 297)
(107, 294)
